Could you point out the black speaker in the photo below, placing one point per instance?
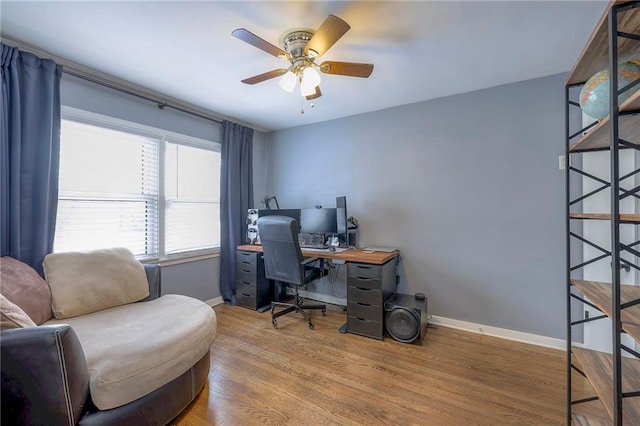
(252, 227)
(406, 317)
(253, 237)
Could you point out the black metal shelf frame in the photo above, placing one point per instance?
(618, 193)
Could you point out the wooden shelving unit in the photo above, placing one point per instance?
(604, 388)
(595, 55)
(600, 294)
(599, 137)
(624, 217)
(599, 366)
(591, 413)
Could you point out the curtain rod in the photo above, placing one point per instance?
(94, 76)
(161, 105)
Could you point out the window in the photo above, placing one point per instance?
(192, 191)
(128, 185)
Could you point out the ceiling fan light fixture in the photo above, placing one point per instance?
(288, 81)
(310, 76)
(308, 81)
(301, 48)
(307, 89)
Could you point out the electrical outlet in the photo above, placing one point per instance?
(562, 162)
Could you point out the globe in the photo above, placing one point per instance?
(594, 96)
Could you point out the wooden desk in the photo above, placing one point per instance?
(349, 255)
(371, 278)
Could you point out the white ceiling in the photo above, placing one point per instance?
(421, 50)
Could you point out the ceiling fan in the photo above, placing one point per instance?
(301, 48)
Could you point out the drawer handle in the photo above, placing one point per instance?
(363, 267)
(366, 289)
(363, 319)
(246, 295)
(364, 304)
(244, 282)
(245, 270)
(246, 263)
(364, 278)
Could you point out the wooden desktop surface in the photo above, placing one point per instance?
(349, 255)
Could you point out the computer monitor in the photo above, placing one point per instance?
(318, 221)
(341, 218)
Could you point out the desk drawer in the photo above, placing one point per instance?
(246, 300)
(364, 296)
(364, 327)
(364, 282)
(247, 257)
(365, 311)
(245, 288)
(364, 270)
(246, 273)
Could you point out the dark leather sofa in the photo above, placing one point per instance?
(45, 380)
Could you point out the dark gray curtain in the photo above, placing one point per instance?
(236, 197)
(29, 155)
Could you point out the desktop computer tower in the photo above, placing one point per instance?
(406, 317)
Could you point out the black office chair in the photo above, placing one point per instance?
(283, 262)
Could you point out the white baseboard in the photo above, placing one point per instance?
(503, 333)
(215, 301)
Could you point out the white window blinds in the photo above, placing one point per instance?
(108, 193)
(128, 185)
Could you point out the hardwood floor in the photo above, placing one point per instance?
(297, 376)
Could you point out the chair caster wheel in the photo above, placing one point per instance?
(274, 323)
(324, 311)
(311, 326)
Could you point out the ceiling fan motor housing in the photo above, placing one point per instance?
(295, 42)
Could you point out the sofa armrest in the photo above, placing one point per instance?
(153, 276)
(44, 375)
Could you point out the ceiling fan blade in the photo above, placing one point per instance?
(352, 69)
(264, 76)
(315, 95)
(329, 32)
(254, 40)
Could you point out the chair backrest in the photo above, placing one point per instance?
(281, 249)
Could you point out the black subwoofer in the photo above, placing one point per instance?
(406, 317)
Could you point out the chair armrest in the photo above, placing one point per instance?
(311, 272)
(44, 375)
(153, 277)
(309, 260)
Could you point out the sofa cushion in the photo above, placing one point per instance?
(22, 285)
(11, 316)
(134, 349)
(85, 282)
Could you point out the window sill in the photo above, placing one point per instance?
(182, 258)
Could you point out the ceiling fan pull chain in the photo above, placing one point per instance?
(302, 105)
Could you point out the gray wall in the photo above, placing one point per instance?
(467, 187)
(200, 279)
(81, 94)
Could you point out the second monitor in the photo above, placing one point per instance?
(318, 221)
